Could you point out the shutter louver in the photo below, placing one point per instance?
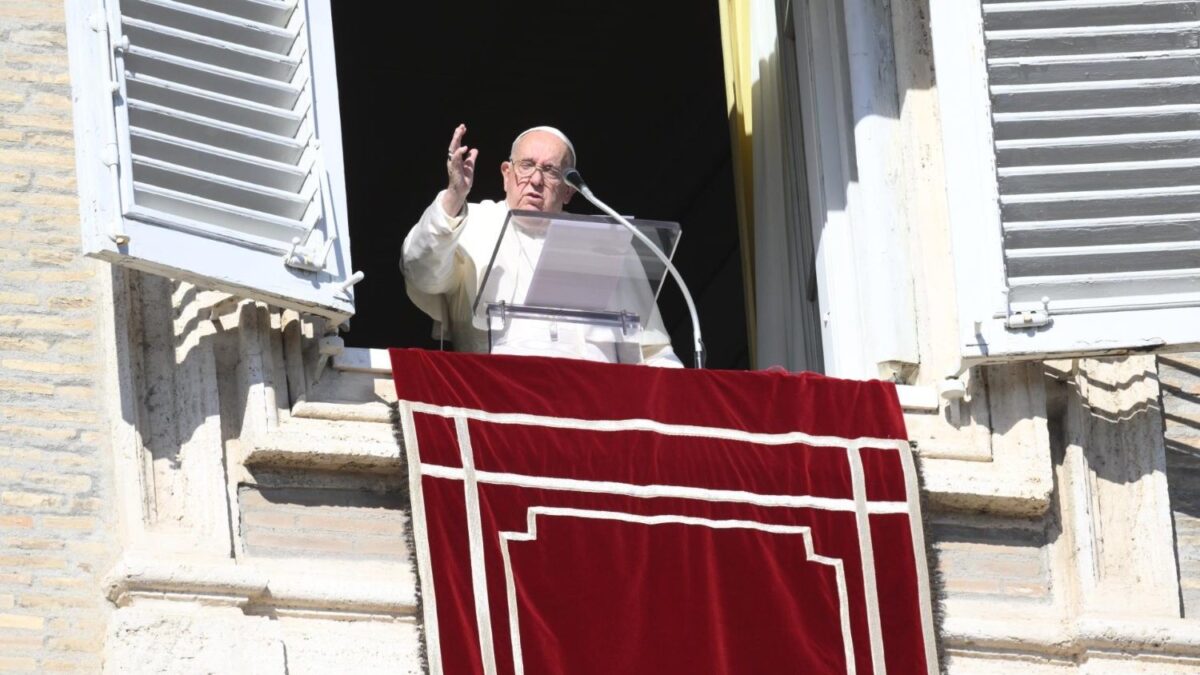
(208, 145)
(217, 106)
(1096, 125)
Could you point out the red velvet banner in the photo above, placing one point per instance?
(579, 518)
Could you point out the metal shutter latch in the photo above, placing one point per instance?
(1029, 315)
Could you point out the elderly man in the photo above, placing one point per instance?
(446, 254)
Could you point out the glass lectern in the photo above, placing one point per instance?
(572, 284)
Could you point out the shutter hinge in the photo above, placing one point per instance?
(1029, 315)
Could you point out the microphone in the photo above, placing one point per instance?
(575, 180)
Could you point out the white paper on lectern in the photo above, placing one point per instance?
(580, 266)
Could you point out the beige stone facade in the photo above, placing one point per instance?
(57, 515)
(194, 483)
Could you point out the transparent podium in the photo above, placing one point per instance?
(573, 285)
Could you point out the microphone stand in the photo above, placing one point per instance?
(575, 180)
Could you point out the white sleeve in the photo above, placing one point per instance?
(430, 261)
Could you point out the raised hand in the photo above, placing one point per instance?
(460, 167)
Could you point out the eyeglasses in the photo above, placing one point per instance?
(551, 174)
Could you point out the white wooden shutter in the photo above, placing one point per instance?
(208, 145)
(1076, 203)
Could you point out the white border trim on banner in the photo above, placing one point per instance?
(483, 613)
(859, 505)
(433, 641)
(531, 534)
(785, 438)
(866, 551)
(656, 491)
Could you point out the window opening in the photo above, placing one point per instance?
(638, 87)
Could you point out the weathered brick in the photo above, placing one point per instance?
(23, 236)
(47, 414)
(50, 256)
(23, 158)
(86, 505)
(10, 642)
(23, 343)
(16, 578)
(63, 302)
(20, 430)
(36, 544)
(32, 75)
(6, 601)
(76, 644)
(269, 519)
(972, 586)
(71, 461)
(26, 387)
(35, 12)
(46, 276)
(33, 562)
(61, 218)
(75, 523)
(31, 500)
(36, 601)
(18, 664)
(49, 181)
(74, 625)
(16, 298)
(46, 367)
(89, 548)
(21, 622)
(13, 179)
(57, 666)
(48, 63)
(50, 141)
(379, 547)
(39, 38)
(16, 522)
(11, 97)
(296, 541)
(74, 392)
(56, 102)
(66, 582)
(21, 454)
(349, 523)
(75, 347)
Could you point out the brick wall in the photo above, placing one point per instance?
(1179, 375)
(986, 557)
(55, 475)
(322, 522)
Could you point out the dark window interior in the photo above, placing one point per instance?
(639, 88)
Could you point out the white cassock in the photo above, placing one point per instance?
(444, 260)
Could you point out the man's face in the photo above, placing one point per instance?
(537, 191)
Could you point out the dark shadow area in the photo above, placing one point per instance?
(639, 88)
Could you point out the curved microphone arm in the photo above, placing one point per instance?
(575, 180)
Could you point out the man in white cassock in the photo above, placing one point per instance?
(446, 254)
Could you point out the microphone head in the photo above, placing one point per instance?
(574, 179)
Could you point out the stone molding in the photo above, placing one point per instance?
(259, 588)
